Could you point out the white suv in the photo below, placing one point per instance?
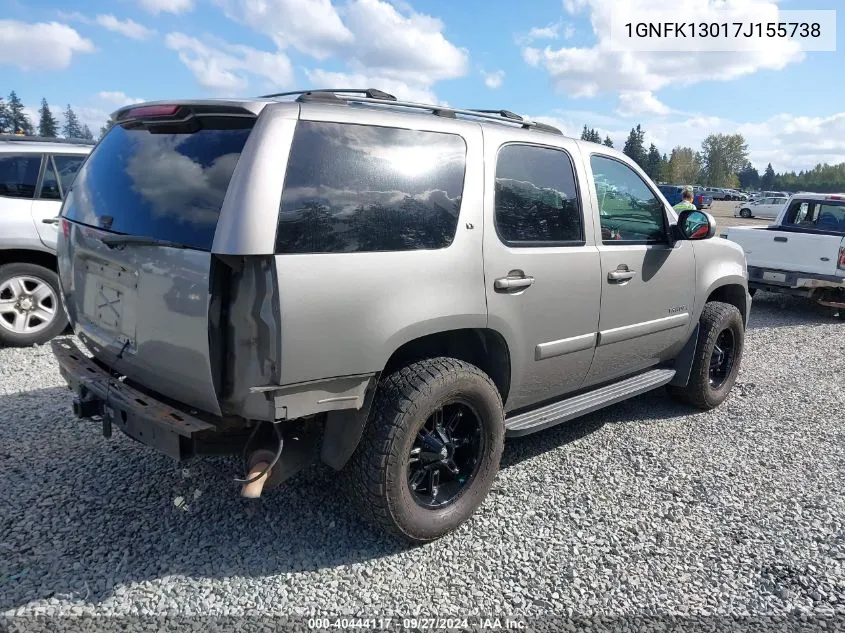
(34, 175)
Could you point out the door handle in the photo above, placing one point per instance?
(621, 274)
(780, 238)
(50, 220)
(513, 283)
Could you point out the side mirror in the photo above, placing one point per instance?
(696, 225)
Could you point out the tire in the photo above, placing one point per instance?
(22, 281)
(702, 390)
(379, 474)
(745, 213)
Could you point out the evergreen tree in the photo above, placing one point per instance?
(5, 123)
(585, 133)
(86, 133)
(71, 128)
(635, 146)
(18, 120)
(608, 142)
(47, 124)
(105, 128)
(653, 163)
(768, 179)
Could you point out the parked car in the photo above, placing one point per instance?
(767, 208)
(396, 286)
(702, 199)
(34, 175)
(717, 193)
(802, 253)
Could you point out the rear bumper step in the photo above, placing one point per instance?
(145, 419)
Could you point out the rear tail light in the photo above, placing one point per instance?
(840, 263)
(65, 227)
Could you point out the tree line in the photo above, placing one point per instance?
(15, 120)
(721, 161)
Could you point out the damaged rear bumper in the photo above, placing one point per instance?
(150, 421)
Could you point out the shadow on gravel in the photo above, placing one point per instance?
(774, 311)
(81, 516)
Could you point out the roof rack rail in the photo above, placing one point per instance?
(46, 139)
(379, 97)
(331, 94)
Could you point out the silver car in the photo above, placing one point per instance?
(392, 286)
(34, 175)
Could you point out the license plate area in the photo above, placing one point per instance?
(111, 296)
(768, 275)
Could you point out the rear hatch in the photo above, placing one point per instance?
(135, 250)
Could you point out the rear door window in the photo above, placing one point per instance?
(536, 197)
(67, 166)
(356, 188)
(168, 186)
(19, 175)
(819, 215)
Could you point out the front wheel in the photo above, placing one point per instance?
(745, 213)
(30, 308)
(430, 450)
(721, 338)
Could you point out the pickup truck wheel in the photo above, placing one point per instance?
(30, 308)
(430, 450)
(721, 338)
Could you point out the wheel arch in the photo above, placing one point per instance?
(483, 347)
(46, 259)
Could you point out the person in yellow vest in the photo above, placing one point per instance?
(686, 200)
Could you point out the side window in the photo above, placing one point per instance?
(67, 167)
(536, 198)
(629, 211)
(356, 188)
(19, 175)
(50, 184)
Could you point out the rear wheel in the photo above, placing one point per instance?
(721, 338)
(745, 213)
(430, 451)
(30, 307)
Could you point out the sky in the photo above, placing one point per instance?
(551, 60)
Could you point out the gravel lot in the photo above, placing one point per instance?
(641, 510)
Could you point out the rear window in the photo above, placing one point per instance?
(819, 215)
(357, 188)
(161, 185)
(19, 175)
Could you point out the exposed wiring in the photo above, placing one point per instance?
(275, 460)
(108, 383)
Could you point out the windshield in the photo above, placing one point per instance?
(169, 186)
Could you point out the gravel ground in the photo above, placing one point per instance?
(634, 513)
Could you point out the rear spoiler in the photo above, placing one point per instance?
(175, 111)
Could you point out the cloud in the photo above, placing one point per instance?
(494, 79)
(117, 98)
(229, 68)
(789, 142)
(401, 90)
(128, 28)
(40, 46)
(602, 68)
(373, 37)
(166, 6)
(551, 31)
(640, 102)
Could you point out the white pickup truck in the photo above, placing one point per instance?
(802, 253)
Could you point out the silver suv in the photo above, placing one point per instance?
(34, 174)
(392, 286)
